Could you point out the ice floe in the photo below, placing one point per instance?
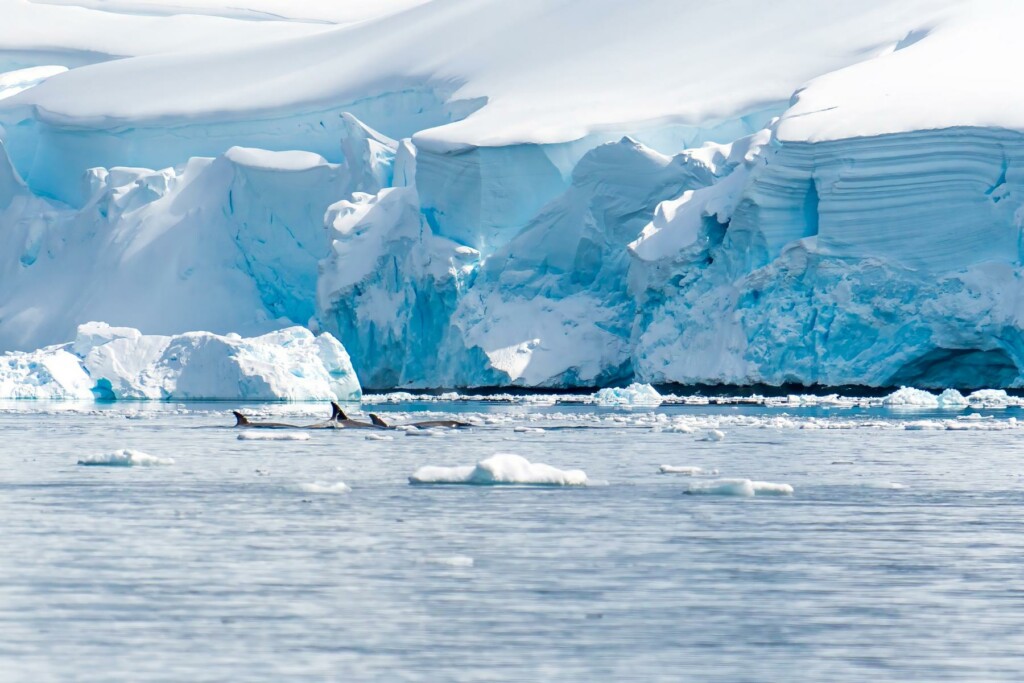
(273, 436)
(326, 487)
(499, 469)
(673, 469)
(125, 457)
(634, 395)
(739, 487)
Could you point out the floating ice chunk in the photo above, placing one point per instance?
(713, 435)
(908, 397)
(379, 437)
(924, 425)
(672, 469)
(426, 432)
(501, 468)
(634, 395)
(680, 428)
(951, 398)
(528, 430)
(991, 398)
(125, 457)
(975, 417)
(326, 487)
(451, 561)
(273, 436)
(739, 487)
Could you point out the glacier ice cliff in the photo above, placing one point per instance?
(843, 208)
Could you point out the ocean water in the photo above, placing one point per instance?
(898, 556)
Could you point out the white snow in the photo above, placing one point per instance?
(501, 468)
(739, 487)
(125, 457)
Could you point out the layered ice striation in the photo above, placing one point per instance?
(572, 215)
(118, 363)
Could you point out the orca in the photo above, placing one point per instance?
(342, 421)
(450, 424)
(243, 421)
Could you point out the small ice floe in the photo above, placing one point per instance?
(426, 432)
(887, 485)
(713, 435)
(990, 398)
(673, 469)
(379, 437)
(450, 561)
(634, 395)
(125, 457)
(679, 428)
(528, 430)
(273, 436)
(326, 487)
(739, 487)
(924, 425)
(500, 469)
(975, 417)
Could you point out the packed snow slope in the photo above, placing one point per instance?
(477, 192)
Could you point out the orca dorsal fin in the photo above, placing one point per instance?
(338, 413)
(375, 419)
(240, 420)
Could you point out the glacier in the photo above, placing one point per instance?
(837, 200)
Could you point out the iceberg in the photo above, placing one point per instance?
(500, 469)
(111, 363)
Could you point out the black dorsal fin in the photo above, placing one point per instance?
(375, 419)
(338, 413)
(240, 420)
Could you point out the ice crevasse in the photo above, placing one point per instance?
(847, 210)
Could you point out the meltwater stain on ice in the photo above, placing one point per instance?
(500, 469)
(125, 457)
(739, 487)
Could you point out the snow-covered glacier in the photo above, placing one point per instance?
(666, 192)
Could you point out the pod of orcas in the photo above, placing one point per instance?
(339, 420)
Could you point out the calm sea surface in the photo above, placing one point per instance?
(899, 557)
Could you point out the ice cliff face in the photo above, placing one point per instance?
(485, 216)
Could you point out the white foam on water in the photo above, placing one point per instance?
(500, 469)
(326, 487)
(125, 457)
(273, 436)
(739, 487)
